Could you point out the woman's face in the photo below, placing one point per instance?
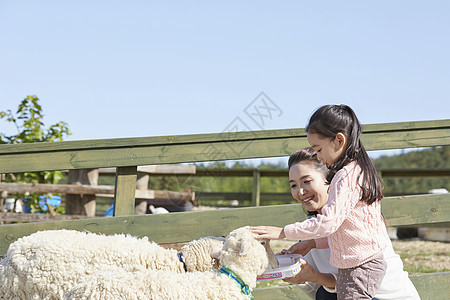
(308, 186)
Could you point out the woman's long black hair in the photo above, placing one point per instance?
(328, 121)
(307, 155)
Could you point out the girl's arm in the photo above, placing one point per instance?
(268, 232)
(343, 196)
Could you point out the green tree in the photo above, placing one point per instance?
(28, 121)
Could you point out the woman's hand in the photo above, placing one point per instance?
(307, 273)
(268, 232)
(302, 247)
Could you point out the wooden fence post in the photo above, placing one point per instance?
(3, 196)
(81, 204)
(124, 194)
(256, 193)
(141, 184)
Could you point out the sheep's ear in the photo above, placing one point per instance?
(245, 247)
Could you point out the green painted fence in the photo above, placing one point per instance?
(127, 154)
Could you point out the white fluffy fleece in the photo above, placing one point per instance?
(197, 254)
(241, 253)
(46, 264)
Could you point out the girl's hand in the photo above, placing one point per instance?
(302, 247)
(268, 232)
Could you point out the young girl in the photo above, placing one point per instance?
(307, 178)
(351, 219)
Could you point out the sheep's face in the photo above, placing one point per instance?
(202, 254)
(242, 253)
(273, 262)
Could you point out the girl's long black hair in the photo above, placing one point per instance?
(328, 121)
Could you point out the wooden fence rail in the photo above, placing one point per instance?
(203, 147)
(413, 172)
(127, 154)
(84, 189)
(258, 173)
(183, 227)
(100, 190)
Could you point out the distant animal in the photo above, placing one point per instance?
(157, 210)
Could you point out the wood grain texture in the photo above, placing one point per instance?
(204, 147)
(127, 154)
(99, 190)
(416, 210)
(288, 292)
(435, 286)
(432, 286)
(212, 137)
(412, 172)
(186, 226)
(166, 228)
(14, 217)
(157, 169)
(125, 190)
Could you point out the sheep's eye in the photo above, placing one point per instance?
(263, 243)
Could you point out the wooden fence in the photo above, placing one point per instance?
(126, 154)
(143, 195)
(256, 197)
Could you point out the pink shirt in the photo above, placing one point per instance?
(355, 230)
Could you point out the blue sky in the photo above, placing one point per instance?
(114, 69)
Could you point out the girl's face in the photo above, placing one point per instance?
(328, 151)
(308, 186)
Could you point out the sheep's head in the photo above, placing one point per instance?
(202, 254)
(273, 262)
(245, 255)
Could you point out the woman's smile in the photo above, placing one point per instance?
(307, 200)
(307, 185)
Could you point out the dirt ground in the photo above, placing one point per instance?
(423, 256)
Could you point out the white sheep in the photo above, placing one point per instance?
(200, 255)
(243, 258)
(203, 254)
(45, 264)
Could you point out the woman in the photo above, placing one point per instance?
(307, 178)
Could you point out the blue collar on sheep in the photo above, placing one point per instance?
(181, 259)
(244, 288)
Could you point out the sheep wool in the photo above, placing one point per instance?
(241, 253)
(45, 264)
(197, 254)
